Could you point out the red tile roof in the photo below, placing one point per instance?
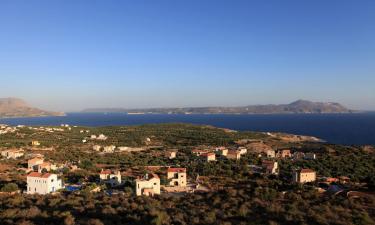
(35, 160)
(208, 154)
(106, 172)
(176, 170)
(40, 175)
(307, 171)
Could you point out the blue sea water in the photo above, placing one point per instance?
(348, 129)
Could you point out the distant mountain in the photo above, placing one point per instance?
(300, 106)
(14, 107)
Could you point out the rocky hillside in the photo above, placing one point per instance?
(14, 107)
(300, 106)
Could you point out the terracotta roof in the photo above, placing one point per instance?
(40, 175)
(106, 172)
(176, 170)
(307, 171)
(35, 159)
(208, 154)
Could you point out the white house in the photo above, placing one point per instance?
(32, 164)
(234, 154)
(242, 150)
(271, 153)
(12, 153)
(46, 166)
(109, 149)
(111, 177)
(270, 167)
(96, 148)
(171, 154)
(177, 177)
(35, 143)
(148, 185)
(102, 137)
(222, 151)
(304, 176)
(39, 183)
(208, 156)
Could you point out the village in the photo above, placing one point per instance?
(44, 176)
(170, 167)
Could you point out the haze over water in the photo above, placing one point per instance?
(348, 129)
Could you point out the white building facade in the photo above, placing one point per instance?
(177, 177)
(39, 183)
(149, 185)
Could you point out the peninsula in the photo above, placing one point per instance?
(299, 106)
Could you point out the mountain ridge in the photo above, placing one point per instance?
(15, 107)
(299, 106)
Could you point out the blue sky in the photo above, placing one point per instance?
(72, 54)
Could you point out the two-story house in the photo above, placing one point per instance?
(177, 177)
(147, 185)
(43, 183)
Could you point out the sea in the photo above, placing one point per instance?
(346, 129)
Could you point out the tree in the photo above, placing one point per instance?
(11, 187)
(87, 164)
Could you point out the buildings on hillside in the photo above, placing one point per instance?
(148, 185)
(12, 153)
(35, 143)
(171, 154)
(177, 177)
(285, 153)
(270, 167)
(234, 154)
(46, 167)
(110, 177)
(298, 155)
(96, 148)
(32, 164)
(208, 157)
(199, 152)
(222, 151)
(242, 150)
(109, 149)
(43, 183)
(304, 176)
(270, 153)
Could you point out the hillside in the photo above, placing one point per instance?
(300, 106)
(14, 107)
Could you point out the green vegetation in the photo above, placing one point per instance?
(10, 187)
(236, 196)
